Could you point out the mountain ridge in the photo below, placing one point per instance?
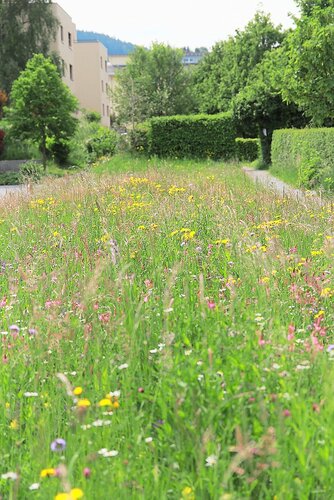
(113, 45)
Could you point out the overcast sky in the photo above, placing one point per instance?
(176, 22)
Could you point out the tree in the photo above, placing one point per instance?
(225, 71)
(42, 106)
(153, 83)
(260, 104)
(26, 27)
(308, 77)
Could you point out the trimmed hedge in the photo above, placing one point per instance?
(308, 154)
(247, 149)
(193, 136)
(140, 138)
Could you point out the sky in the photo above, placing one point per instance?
(178, 23)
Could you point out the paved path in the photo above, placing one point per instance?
(281, 188)
(10, 190)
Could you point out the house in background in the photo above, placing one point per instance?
(92, 88)
(63, 45)
(84, 66)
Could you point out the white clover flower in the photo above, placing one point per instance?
(34, 486)
(149, 439)
(9, 475)
(31, 394)
(211, 461)
(123, 367)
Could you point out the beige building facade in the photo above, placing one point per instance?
(63, 45)
(92, 88)
(84, 66)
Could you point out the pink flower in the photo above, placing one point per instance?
(291, 332)
(286, 413)
(211, 304)
(87, 472)
(104, 318)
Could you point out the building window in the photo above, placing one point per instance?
(106, 66)
(108, 111)
(101, 62)
(69, 40)
(62, 33)
(71, 72)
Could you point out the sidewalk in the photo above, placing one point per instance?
(281, 188)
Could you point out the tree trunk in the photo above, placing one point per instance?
(266, 135)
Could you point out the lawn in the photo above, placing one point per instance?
(167, 332)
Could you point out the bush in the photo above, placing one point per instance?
(247, 149)
(59, 150)
(93, 116)
(103, 143)
(140, 138)
(2, 141)
(9, 178)
(307, 154)
(194, 136)
(31, 171)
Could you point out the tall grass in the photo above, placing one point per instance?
(206, 301)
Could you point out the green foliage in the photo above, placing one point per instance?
(2, 141)
(9, 178)
(153, 83)
(247, 149)
(308, 154)
(196, 136)
(26, 28)
(308, 77)
(31, 171)
(78, 155)
(42, 106)
(225, 71)
(103, 143)
(259, 104)
(140, 138)
(93, 116)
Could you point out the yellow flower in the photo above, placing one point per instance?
(77, 391)
(83, 403)
(188, 493)
(74, 494)
(7, 405)
(104, 402)
(116, 405)
(190, 235)
(48, 472)
(14, 425)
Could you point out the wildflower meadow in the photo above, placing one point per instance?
(166, 333)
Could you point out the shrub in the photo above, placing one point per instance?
(103, 143)
(194, 136)
(2, 141)
(247, 149)
(93, 116)
(9, 178)
(59, 150)
(140, 138)
(308, 154)
(31, 171)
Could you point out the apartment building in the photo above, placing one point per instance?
(63, 45)
(92, 89)
(84, 66)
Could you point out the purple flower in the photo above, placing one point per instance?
(32, 331)
(14, 329)
(330, 348)
(58, 444)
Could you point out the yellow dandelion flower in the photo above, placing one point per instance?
(115, 405)
(83, 403)
(188, 493)
(190, 235)
(173, 233)
(141, 228)
(77, 391)
(14, 425)
(48, 472)
(104, 402)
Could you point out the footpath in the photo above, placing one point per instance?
(264, 178)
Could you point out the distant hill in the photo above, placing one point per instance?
(114, 46)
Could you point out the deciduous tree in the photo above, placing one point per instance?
(26, 27)
(42, 106)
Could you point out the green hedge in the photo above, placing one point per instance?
(140, 138)
(247, 149)
(193, 136)
(308, 154)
